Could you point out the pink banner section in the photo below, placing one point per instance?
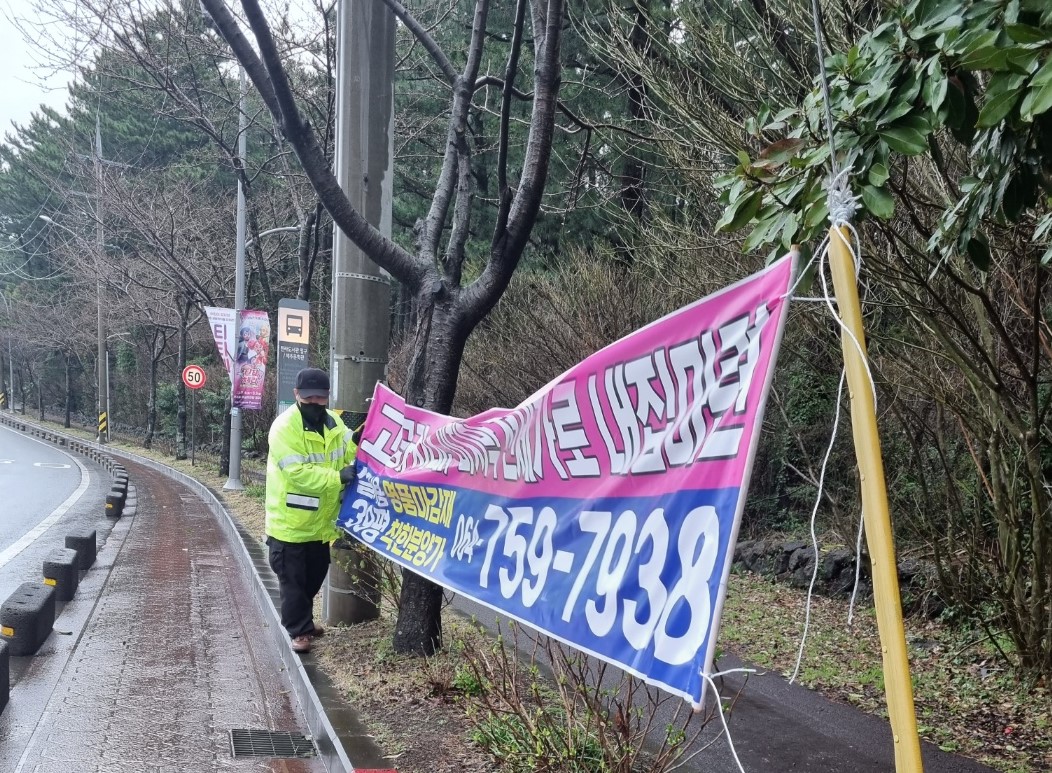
(673, 406)
(244, 352)
(250, 359)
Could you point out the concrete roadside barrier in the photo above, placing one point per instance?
(27, 617)
(115, 502)
(5, 675)
(61, 571)
(82, 540)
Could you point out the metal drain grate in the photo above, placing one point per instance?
(265, 743)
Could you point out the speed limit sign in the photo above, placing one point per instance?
(194, 376)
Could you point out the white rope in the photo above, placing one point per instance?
(801, 272)
(814, 535)
(858, 567)
(842, 205)
(829, 301)
(719, 703)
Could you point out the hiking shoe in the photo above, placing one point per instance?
(301, 644)
(318, 632)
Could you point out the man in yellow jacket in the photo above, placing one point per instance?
(310, 461)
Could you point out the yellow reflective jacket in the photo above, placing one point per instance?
(303, 477)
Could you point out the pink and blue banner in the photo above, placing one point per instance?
(251, 352)
(603, 510)
(244, 352)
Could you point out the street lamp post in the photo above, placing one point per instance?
(102, 368)
(104, 359)
(278, 230)
(234, 479)
(10, 358)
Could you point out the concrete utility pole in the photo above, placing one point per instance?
(361, 313)
(103, 357)
(234, 480)
(10, 390)
(10, 375)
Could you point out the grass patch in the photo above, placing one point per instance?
(966, 701)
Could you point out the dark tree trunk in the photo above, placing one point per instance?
(180, 421)
(633, 174)
(447, 309)
(419, 627)
(431, 384)
(69, 391)
(224, 455)
(306, 253)
(156, 349)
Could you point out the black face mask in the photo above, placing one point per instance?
(313, 414)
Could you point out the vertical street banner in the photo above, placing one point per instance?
(244, 352)
(250, 359)
(603, 510)
(293, 341)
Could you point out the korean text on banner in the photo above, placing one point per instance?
(250, 357)
(602, 511)
(222, 323)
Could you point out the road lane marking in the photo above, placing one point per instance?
(52, 465)
(33, 534)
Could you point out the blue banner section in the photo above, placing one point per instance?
(632, 580)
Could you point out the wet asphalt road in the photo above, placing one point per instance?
(36, 478)
(163, 650)
(42, 489)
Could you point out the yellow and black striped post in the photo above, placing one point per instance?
(3, 399)
(103, 425)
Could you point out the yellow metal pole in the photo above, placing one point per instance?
(897, 686)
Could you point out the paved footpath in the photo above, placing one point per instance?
(166, 654)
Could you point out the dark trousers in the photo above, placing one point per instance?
(301, 569)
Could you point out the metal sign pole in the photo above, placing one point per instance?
(193, 413)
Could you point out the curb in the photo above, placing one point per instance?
(330, 747)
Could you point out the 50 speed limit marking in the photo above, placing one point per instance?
(194, 376)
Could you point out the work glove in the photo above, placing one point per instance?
(348, 474)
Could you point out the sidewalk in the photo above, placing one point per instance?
(172, 644)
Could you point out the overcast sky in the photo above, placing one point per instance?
(21, 89)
